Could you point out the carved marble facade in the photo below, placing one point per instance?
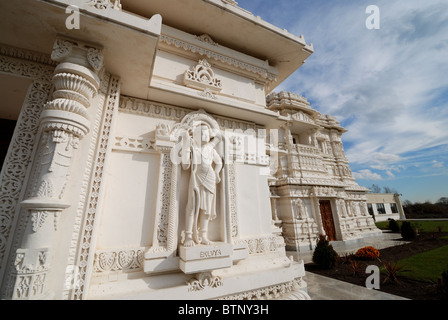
(312, 168)
(94, 185)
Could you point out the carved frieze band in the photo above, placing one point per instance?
(30, 56)
(162, 229)
(118, 260)
(233, 203)
(269, 243)
(135, 144)
(274, 292)
(217, 56)
(147, 145)
(99, 100)
(85, 254)
(164, 111)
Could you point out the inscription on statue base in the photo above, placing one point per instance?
(205, 257)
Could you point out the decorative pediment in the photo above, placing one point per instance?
(202, 77)
(302, 116)
(207, 39)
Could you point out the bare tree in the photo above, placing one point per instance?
(375, 188)
(389, 190)
(443, 201)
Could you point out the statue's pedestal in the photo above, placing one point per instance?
(202, 258)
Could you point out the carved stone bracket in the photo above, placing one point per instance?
(203, 281)
(38, 218)
(293, 290)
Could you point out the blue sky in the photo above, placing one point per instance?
(388, 87)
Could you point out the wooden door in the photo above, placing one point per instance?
(327, 219)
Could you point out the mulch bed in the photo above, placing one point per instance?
(412, 289)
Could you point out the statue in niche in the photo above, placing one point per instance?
(301, 209)
(199, 153)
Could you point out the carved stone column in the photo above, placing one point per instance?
(63, 123)
(315, 206)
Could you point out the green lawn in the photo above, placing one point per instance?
(426, 266)
(384, 225)
(423, 226)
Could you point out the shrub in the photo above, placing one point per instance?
(394, 226)
(346, 258)
(391, 271)
(367, 253)
(324, 255)
(407, 232)
(442, 285)
(356, 267)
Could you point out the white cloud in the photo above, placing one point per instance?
(366, 174)
(437, 164)
(381, 84)
(390, 174)
(388, 87)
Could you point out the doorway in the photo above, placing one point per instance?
(327, 219)
(13, 90)
(6, 131)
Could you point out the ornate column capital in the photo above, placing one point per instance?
(78, 52)
(76, 81)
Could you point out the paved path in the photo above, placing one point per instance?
(324, 288)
